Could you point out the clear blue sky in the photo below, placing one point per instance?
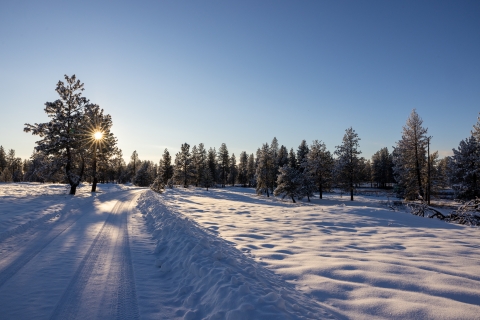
(242, 72)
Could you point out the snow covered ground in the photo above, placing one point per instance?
(227, 254)
(356, 260)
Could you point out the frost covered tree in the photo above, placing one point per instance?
(292, 159)
(476, 130)
(302, 152)
(242, 169)
(212, 164)
(100, 145)
(134, 160)
(158, 185)
(307, 187)
(3, 159)
(274, 150)
(207, 179)
(33, 172)
(199, 162)
(183, 169)
(60, 136)
(232, 170)
(282, 158)
(348, 161)
(319, 165)
(251, 171)
(223, 163)
(465, 169)
(264, 170)
(289, 183)
(410, 158)
(195, 164)
(145, 174)
(165, 167)
(382, 168)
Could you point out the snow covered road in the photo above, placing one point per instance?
(76, 265)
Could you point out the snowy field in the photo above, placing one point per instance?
(227, 254)
(357, 260)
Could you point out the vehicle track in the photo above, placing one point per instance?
(108, 260)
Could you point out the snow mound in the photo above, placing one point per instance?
(210, 279)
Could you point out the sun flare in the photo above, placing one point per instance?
(98, 135)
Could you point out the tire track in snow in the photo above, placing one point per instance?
(38, 243)
(119, 297)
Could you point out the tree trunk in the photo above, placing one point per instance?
(417, 169)
(293, 199)
(94, 184)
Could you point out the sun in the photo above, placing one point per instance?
(98, 135)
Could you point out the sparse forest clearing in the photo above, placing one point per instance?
(227, 252)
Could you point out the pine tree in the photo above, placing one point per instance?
(100, 145)
(60, 136)
(289, 183)
(282, 156)
(319, 165)
(195, 166)
(274, 150)
(308, 187)
(183, 169)
(165, 167)
(223, 163)
(465, 169)
(158, 185)
(212, 164)
(348, 161)
(243, 169)
(302, 152)
(3, 159)
(410, 158)
(264, 170)
(382, 168)
(233, 170)
(207, 179)
(145, 174)
(199, 164)
(251, 169)
(292, 159)
(476, 130)
(134, 160)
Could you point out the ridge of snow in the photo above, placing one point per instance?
(208, 278)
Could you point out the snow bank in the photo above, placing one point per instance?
(359, 259)
(208, 278)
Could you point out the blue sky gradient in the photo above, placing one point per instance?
(242, 72)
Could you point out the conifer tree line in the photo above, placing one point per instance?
(67, 152)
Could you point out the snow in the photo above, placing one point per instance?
(356, 259)
(227, 254)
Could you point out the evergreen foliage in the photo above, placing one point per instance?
(60, 136)
(382, 168)
(243, 169)
(318, 165)
(223, 163)
(145, 174)
(348, 161)
(302, 152)
(410, 159)
(165, 167)
(289, 183)
(465, 169)
(183, 169)
(251, 169)
(264, 170)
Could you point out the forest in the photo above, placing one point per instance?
(77, 145)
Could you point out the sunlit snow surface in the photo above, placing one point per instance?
(357, 259)
(230, 254)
